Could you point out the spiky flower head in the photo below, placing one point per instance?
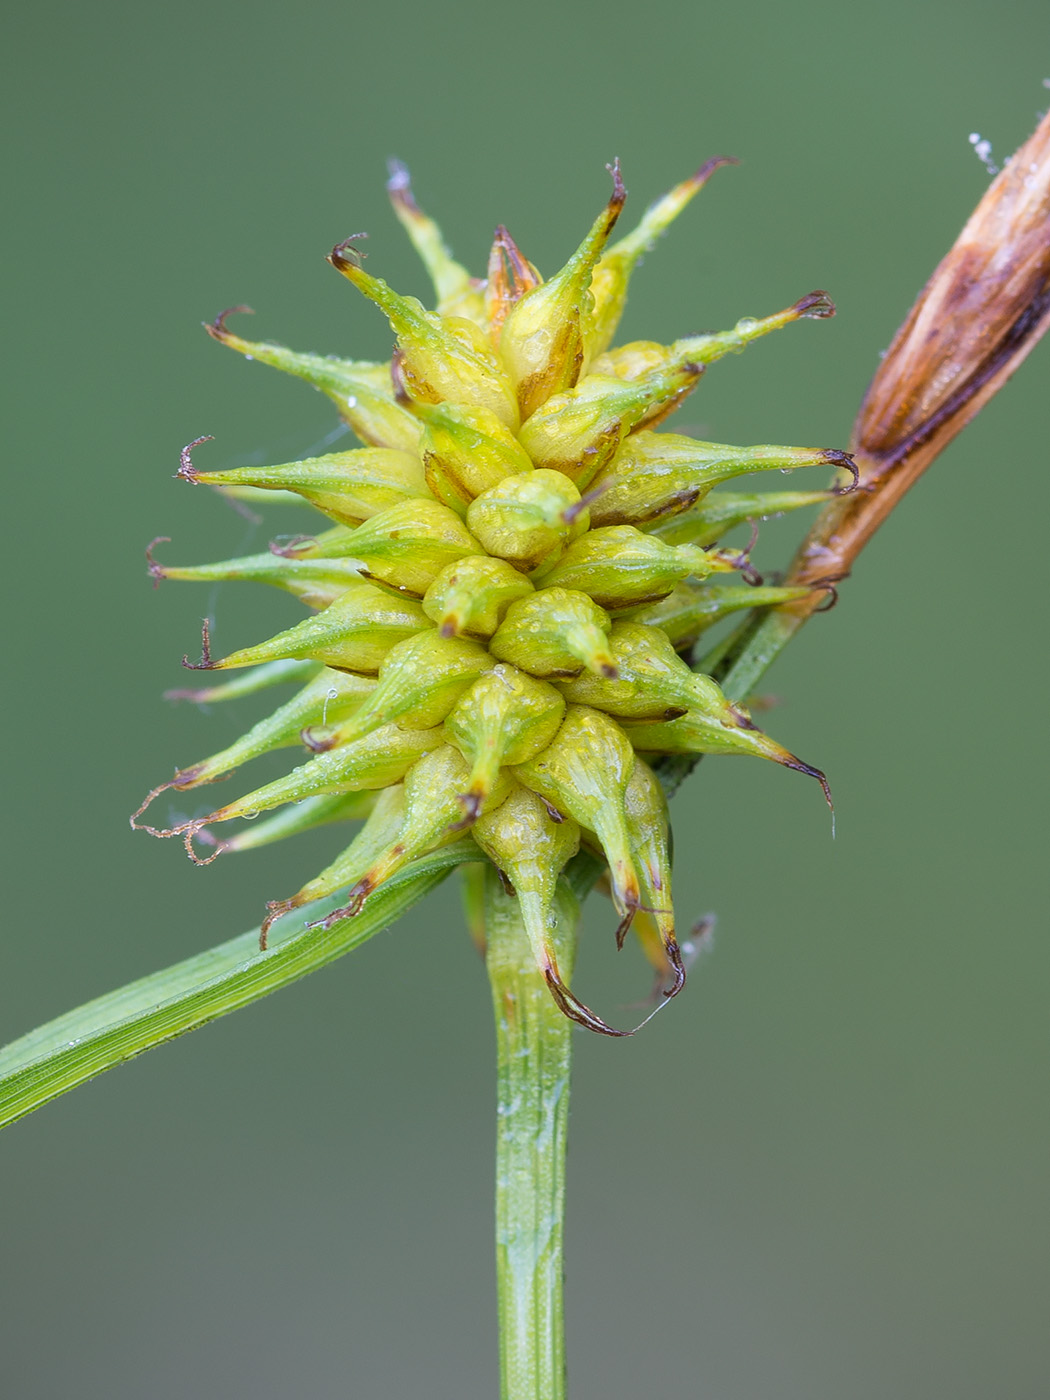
(518, 565)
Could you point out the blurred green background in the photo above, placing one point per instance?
(821, 1172)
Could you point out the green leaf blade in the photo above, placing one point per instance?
(113, 1028)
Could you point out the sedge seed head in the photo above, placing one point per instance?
(518, 559)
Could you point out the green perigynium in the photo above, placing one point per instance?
(517, 561)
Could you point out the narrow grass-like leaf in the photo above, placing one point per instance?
(116, 1027)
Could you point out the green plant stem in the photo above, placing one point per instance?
(772, 631)
(534, 1043)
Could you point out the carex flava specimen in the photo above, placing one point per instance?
(517, 560)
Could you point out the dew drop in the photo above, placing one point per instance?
(982, 149)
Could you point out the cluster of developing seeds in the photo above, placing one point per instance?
(517, 562)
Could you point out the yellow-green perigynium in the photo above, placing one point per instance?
(516, 561)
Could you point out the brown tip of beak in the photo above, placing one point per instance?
(619, 194)
(153, 792)
(471, 804)
(827, 586)
(399, 186)
(575, 1009)
(290, 546)
(817, 306)
(344, 255)
(205, 663)
(709, 167)
(397, 378)
(218, 329)
(624, 926)
(524, 275)
(199, 697)
(843, 460)
(187, 841)
(314, 743)
(156, 571)
(275, 909)
(354, 904)
(189, 777)
(186, 468)
(742, 563)
(674, 958)
(796, 763)
(570, 513)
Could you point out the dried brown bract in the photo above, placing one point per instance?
(979, 315)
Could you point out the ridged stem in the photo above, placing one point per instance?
(534, 1056)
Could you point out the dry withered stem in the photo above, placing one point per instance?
(977, 318)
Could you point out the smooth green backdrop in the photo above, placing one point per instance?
(821, 1173)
